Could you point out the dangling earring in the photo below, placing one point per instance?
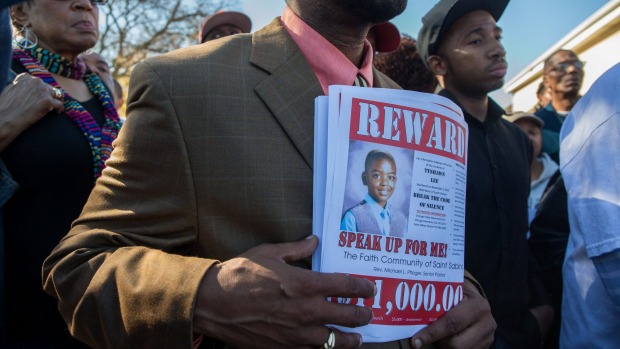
(25, 43)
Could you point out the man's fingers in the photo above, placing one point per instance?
(293, 251)
(478, 336)
(450, 324)
(341, 340)
(22, 77)
(310, 282)
(343, 286)
(58, 105)
(468, 325)
(347, 340)
(49, 103)
(347, 315)
(445, 326)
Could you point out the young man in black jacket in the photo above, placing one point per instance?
(461, 44)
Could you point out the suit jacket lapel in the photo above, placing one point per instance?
(382, 81)
(290, 90)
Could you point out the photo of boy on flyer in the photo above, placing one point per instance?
(374, 215)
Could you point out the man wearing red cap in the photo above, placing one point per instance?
(384, 37)
(222, 24)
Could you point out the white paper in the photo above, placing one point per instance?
(416, 260)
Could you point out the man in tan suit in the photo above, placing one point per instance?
(199, 224)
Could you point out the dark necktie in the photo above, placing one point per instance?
(360, 81)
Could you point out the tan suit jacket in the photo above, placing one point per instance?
(214, 159)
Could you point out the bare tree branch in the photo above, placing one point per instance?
(135, 29)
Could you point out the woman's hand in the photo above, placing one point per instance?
(22, 104)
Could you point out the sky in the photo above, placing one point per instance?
(530, 26)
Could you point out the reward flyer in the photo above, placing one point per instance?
(389, 202)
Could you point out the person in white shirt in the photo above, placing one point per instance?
(590, 166)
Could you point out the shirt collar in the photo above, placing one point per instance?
(494, 111)
(549, 107)
(375, 207)
(330, 65)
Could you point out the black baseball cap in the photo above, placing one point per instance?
(441, 17)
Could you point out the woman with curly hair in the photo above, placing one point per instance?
(405, 66)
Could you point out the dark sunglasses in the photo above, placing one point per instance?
(563, 67)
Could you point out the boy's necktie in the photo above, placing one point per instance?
(385, 222)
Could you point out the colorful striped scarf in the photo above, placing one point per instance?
(40, 63)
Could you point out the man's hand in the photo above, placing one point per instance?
(468, 325)
(258, 300)
(22, 104)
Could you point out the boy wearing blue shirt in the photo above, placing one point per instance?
(374, 215)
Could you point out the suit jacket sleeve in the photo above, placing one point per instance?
(124, 275)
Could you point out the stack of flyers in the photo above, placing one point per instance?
(390, 170)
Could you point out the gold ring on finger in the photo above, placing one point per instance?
(58, 94)
(330, 343)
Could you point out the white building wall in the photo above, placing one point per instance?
(603, 28)
(525, 98)
(598, 58)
